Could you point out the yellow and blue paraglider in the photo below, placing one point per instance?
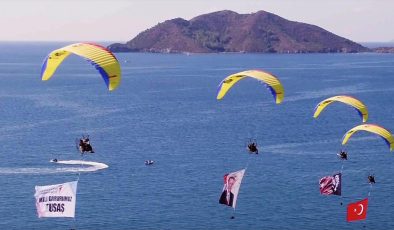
(382, 132)
(268, 79)
(357, 104)
(101, 58)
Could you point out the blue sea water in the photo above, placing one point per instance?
(166, 110)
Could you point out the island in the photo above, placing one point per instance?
(228, 32)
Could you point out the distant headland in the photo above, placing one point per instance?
(228, 31)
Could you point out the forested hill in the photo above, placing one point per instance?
(228, 31)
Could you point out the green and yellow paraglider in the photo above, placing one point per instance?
(382, 132)
(355, 103)
(268, 79)
(101, 58)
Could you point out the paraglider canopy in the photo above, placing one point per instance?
(382, 132)
(101, 58)
(268, 79)
(357, 104)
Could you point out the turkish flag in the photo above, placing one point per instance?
(357, 211)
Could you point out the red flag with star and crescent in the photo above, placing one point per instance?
(357, 211)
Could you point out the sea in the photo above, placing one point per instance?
(166, 110)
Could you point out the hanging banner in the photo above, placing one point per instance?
(56, 200)
(331, 185)
(232, 182)
(357, 211)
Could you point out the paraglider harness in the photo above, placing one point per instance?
(252, 147)
(371, 179)
(342, 155)
(84, 145)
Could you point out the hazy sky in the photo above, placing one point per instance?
(121, 20)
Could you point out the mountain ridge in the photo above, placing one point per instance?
(228, 31)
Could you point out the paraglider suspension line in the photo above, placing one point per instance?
(74, 224)
(233, 216)
(79, 172)
(247, 163)
(370, 189)
(341, 173)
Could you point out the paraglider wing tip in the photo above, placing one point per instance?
(45, 75)
(279, 95)
(219, 93)
(365, 117)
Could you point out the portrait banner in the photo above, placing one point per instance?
(331, 185)
(232, 182)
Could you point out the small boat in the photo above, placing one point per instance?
(149, 162)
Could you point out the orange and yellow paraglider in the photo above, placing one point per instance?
(101, 58)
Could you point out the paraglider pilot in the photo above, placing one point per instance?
(84, 145)
(343, 155)
(252, 147)
(371, 179)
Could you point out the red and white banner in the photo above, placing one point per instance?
(56, 200)
(357, 210)
(232, 182)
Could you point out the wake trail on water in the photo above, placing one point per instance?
(78, 166)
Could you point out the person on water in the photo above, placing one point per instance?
(371, 179)
(252, 147)
(342, 155)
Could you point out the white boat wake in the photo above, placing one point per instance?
(78, 166)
